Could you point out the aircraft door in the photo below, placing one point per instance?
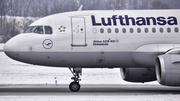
(78, 31)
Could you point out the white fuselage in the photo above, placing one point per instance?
(99, 39)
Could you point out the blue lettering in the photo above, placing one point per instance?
(128, 20)
(151, 18)
(94, 21)
(106, 24)
(139, 21)
(114, 20)
(161, 21)
(172, 21)
(121, 19)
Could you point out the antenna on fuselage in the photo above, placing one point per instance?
(80, 8)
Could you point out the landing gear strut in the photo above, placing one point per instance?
(75, 86)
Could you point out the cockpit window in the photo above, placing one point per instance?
(48, 30)
(30, 29)
(39, 30)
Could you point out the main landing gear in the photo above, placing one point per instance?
(75, 86)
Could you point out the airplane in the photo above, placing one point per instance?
(144, 44)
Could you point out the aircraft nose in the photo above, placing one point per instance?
(11, 48)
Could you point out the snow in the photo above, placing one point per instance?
(93, 98)
(1, 46)
(14, 72)
(21, 21)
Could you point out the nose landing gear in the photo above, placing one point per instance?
(75, 86)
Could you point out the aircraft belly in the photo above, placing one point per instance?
(79, 59)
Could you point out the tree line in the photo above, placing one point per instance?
(32, 10)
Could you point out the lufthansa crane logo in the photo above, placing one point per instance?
(47, 44)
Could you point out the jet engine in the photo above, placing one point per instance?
(168, 69)
(138, 74)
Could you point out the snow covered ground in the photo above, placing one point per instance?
(93, 98)
(13, 72)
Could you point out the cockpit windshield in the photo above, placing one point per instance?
(39, 29)
(48, 30)
(30, 29)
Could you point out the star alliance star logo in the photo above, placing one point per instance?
(62, 29)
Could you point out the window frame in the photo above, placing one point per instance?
(32, 31)
(102, 30)
(109, 30)
(154, 30)
(169, 30)
(45, 30)
(131, 30)
(176, 29)
(124, 30)
(146, 30)
(161, 30)
(116, 30)
(37, 27)
(138, 30)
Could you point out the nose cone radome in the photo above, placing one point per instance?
(11, 48)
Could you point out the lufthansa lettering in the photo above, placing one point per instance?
(139, 21)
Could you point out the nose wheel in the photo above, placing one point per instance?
(75, 86)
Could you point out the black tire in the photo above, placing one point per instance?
(74, 86)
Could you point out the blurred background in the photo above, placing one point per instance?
(17, 15)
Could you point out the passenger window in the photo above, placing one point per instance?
(39, 30)
(124, 30)
(30, 29)
(139, 30)
(131, 30)
(168, 30)
(48, 30)
(146, 30)
(94, 30)
(153, 30)
(109, 30)
(176, 30)
(116, 30)
(161, 30)
(102, 30)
